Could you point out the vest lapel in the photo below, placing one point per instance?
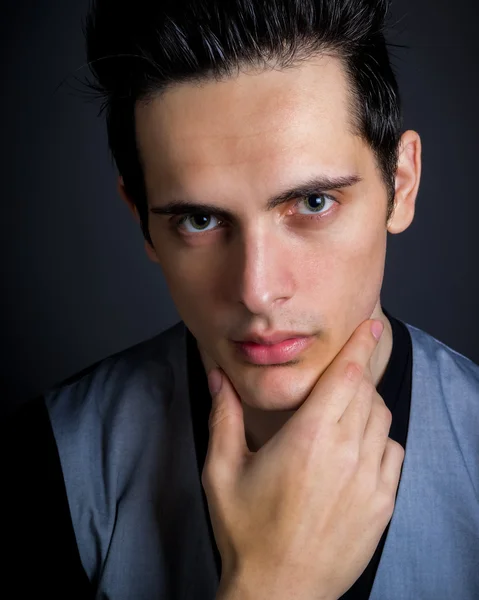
(431, 538)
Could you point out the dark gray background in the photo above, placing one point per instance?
(76, 284)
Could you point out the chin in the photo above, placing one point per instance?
(278, 405)
(275, 388)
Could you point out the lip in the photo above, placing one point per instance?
(273, 338)
(274, 353)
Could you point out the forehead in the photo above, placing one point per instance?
(255, 125)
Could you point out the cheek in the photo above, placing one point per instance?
(189, 282)
(345, 272)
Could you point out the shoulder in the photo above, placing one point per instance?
(446, 388)
(107, 417)
(434, 358)
(447, 385)
(141, 375)
(110, 424)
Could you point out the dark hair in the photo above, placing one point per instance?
(136, 49)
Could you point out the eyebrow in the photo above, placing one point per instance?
(310, 186)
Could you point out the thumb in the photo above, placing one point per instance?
(227, 443)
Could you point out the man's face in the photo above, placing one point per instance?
(312, 265)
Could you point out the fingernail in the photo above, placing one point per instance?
(377, 328)
(215, 380)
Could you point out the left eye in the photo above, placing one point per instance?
(197, 221)
(315, 202)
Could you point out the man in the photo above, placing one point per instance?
(258, 144)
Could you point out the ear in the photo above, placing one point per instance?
(408, 176)
(149, 249)
(129, 202)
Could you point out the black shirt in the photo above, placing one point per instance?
(394, 388)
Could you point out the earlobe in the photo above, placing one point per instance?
(408, 175)
(150, 252)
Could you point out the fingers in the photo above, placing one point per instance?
(391, 466)
(356, 415)
(379, 453)
(361, 345)
(341, 381)
(376, 433)
(227, 442)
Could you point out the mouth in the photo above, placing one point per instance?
(270, 354)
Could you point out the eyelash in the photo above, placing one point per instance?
(179, 222)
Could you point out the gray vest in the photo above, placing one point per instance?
(125, 438)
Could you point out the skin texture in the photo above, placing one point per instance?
(234, 144)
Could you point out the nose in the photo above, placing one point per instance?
(262, 271)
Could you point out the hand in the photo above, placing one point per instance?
(301, 517)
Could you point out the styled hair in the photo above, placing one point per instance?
(136, 49)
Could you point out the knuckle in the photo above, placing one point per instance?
(367, 387)
(353, 371)
(396, 448)
(387, 416)
(368, 339)
(383, 412)
(217, 415)
(211, 486)
(212, 476)
(385, 503)
(206, 479)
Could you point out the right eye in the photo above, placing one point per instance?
(199, 222)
